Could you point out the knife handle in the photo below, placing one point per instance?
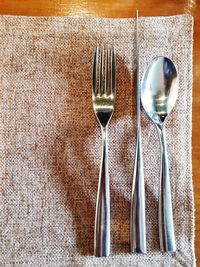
(138, 217)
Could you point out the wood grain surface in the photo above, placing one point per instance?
(125, 9)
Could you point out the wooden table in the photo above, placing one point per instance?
(125, 9)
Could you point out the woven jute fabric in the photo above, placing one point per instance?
(50, 140)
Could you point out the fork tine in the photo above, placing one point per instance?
(95, 70)
(101, 72)
(113, 69)
(106, 72)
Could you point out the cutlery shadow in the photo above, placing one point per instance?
(123, 119)
(152, 219)
(76, 199)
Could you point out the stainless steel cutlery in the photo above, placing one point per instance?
(158, 93)
(103, 98)
(137, 213)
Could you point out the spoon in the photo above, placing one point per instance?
(159, 92)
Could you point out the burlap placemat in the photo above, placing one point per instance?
(51, 143)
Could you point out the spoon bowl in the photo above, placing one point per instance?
(159, 89)
(159, 92)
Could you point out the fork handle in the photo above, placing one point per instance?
(166, 226)
(102, 219)
(138, 218)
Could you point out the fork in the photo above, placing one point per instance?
(103, 98)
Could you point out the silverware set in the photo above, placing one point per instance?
(158, 93)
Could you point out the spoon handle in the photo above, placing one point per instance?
(137, 218)
(166, 225)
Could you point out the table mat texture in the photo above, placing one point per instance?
(51, 142)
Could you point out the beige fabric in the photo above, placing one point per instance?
(51, 143)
